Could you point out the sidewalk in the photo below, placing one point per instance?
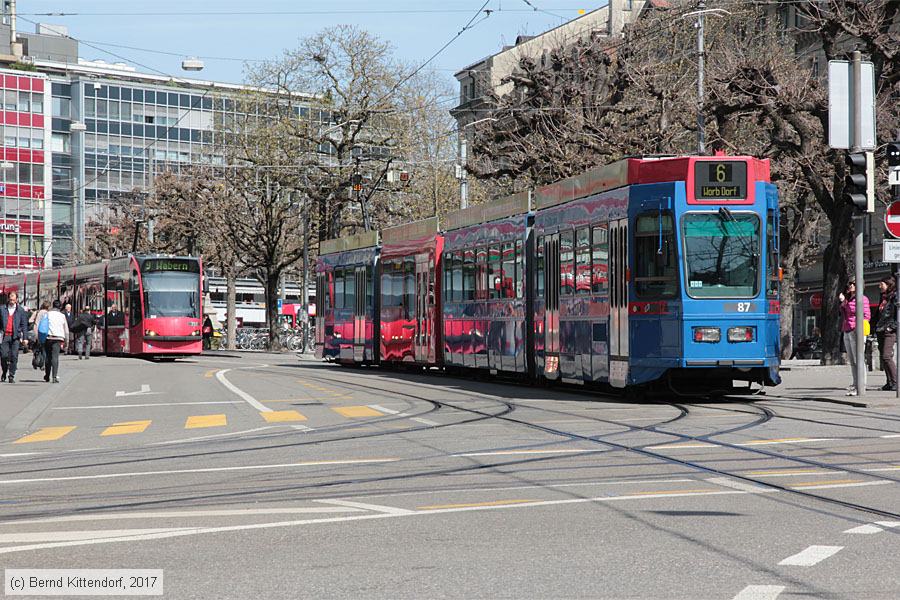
(808, 380)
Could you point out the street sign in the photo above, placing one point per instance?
(840, 105)
(891, 251)
(893, 175)
(280, 304)
(892, 219)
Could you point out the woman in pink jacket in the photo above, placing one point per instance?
(848, 327)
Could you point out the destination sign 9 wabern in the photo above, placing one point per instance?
(720, 180)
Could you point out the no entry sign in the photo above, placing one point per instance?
(892, 219)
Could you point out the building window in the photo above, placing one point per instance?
(24, 102)
(62, 107)
(59, 142)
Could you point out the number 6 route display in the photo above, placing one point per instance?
(645, 274)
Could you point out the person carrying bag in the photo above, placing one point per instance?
(849, 321)
(886, 331)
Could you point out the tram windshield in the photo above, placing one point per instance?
(722, 254)
(171, 294)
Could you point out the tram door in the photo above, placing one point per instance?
(424, 308)
(618, 303)
(359, 316)
(551, 303)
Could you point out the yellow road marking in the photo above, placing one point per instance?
(199, 421)
(126, 427)
(474, 504)
(828, 482)
(673, 492)
(280, 416)
(357, 411)
(45, 434)
(209, 374)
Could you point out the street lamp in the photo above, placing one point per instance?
(76, 127)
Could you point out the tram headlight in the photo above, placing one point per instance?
(709, 335)
(741, 334)
(149, 333)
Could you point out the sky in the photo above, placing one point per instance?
(417, 29)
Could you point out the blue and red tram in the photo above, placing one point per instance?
(347, 286)
(657, 272)
(145, 305)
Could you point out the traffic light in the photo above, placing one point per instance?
(859, 186)
(893, 154)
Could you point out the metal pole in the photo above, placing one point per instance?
(464, 172)
(701, 56)
(858, 241)
(895, 193)
(306, 276)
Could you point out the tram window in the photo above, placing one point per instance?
(539, 268)
(600, 253)
(496, 275)
(448, 277)
(656, 271)
(338, 288)
(771, 257)
(388, 276)
(722, 254)
(350, 289)
(508, 271)
(409, 288)
(566, 262)
(520, 271)
(370, 288)
(468, 286)
(457, 277)
(481, 290)
(583, 261)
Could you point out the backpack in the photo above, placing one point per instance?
(44, 329)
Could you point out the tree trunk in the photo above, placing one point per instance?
(788, 302)
(230, 307)
(271, 286)
(835, 270)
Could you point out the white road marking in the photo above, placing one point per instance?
(302, 428)
(726, 445)
(390, 510)
(103, 406)
(15, 454)
(380, 515)
(515, 452)
(893, 435)
(380, 408)
(187, 514)
(876, 527)
(811, 556)
(144, 391)
(424, 421)
(217, 435)
(318, 463)
(760, 592)
(89, 535)
(220, 375)
(879, 469)
(739, 485)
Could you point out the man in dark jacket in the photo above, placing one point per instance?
(70, 320)
(83, 328)
(14, 332)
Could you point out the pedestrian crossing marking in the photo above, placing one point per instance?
(357, 411)
(199, 421)
(280, 416)
(126, 427)
(45, 434)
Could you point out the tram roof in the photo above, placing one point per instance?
(492, 210)
(352, 242)
(410, 231)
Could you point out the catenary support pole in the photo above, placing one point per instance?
(701, 58)
(859, 221)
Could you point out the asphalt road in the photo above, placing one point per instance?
(265, 476)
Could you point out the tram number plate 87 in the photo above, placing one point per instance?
(740, 307)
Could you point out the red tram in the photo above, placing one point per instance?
(146, 305)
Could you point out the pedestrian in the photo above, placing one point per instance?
(207, 333)
(57, 338)
(849, 321)
(83, 328)
(70, 320)
(13, 333)
(38, 348)
(886, 331)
